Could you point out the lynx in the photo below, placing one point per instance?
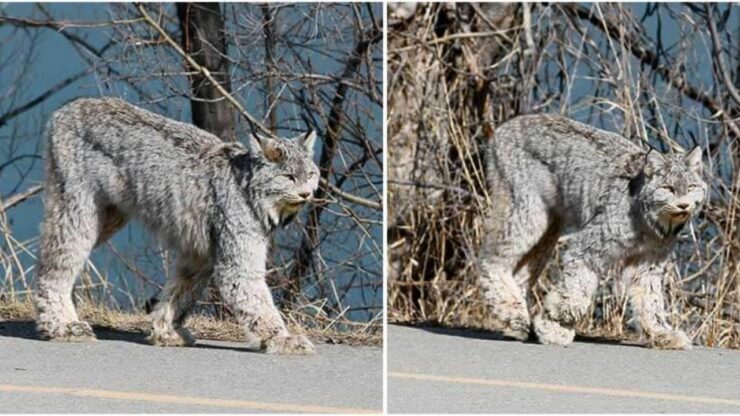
(214, 203)
(615, 205)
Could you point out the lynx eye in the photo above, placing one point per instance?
(669, 189)
(290, 176)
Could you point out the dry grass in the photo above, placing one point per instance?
(202, 326)
(449, 86)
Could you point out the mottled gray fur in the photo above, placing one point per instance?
(614, 204)
(214, 203)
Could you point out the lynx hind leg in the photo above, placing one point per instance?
(179, 295)
(566, 303)
(510, 239)
(68, 235)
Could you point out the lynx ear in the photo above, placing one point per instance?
(654, 162)
(229, 150)
(633, 164)
(307, 141)
(266, 148)
(693, 159)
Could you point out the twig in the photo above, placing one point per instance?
(43, 96)
(18, 198)
(648, 57)
(60, 25)
(349, 197)
(718, 56)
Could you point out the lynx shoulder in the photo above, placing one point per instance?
(108, 162)
(618, 205)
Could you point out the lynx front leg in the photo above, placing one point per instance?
(239, 273)
(251, 300)
(566, 303)
(647, 307)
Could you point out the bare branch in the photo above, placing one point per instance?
(42, 97)
(718, 55)
(18, 198)
(204, 71)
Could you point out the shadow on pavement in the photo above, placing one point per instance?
(18, 329)
(499, 336)
(27, 330)
(202, 344)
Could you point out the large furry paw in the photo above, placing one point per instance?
(77, 331)
(518, 328)
(670, 340)
(179, 337)
(512, 322)
(289, 345)
(551, 332)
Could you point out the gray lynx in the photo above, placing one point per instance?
(615, 204)
(214, 203)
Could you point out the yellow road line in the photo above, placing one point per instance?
(166, 398)
(565, 388)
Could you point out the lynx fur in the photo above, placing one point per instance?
(615, 205)
(214, 203)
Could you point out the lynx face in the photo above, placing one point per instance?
(673, 191)
(285, 176)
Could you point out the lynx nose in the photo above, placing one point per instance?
(305, 195)
(683, 206)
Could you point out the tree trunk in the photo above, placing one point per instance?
(203, 39)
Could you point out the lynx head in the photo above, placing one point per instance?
(670, 190)
(285, 177)
(278, 175)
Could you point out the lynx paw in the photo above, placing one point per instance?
(289, 345)
(551, 332)
(670, 340)
(179, 337)
(77, 331)
(512, 322)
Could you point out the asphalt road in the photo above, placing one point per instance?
(432, 370)
(121, 374)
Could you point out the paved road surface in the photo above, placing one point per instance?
(119, 374)
(435, 370)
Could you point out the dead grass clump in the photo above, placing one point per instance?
(202, 326)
